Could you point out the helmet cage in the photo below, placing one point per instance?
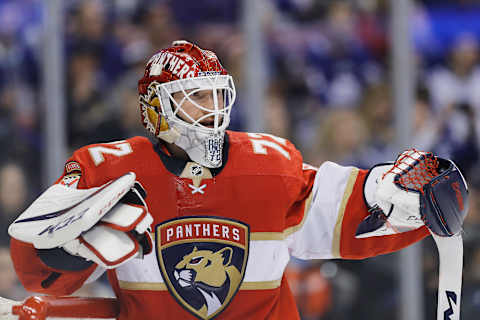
(170, 108)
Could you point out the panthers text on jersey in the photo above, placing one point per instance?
(223, 236)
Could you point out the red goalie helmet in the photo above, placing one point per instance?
(185, 67)
(182, 60)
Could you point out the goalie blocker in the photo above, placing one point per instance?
(417, 189)
(108, 225)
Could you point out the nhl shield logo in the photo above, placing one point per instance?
(203, 261)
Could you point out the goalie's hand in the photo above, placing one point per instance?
(122, 234)
(108, 225)
(417, 189)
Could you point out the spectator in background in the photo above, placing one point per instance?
(336, 141)
(276, 113)
(13, 196)
(10, 287)
(18, 125)
(128, 115)
(376, 108)
(7, 122)
(122, 120)
(343, 60)
(85, 91)
(454, 91)
(372, 28)
(158, 22)
(465, 151)
(458, 80)
(89, 27)
(427, 128)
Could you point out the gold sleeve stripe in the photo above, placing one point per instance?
(260, 285)
(148, 286)
(160, 286)
(267, 236)
(341, 212)
(286, 232)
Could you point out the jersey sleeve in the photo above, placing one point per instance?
(54, 271)
(333, 210)
(36, 276)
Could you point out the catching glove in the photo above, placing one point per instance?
(417, 189)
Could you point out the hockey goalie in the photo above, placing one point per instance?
(202, 222)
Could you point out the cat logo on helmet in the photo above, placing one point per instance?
(151, 116)
(203, 261)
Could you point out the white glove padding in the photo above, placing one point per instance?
(122, 234)
(62, 213)
(108, 225)
(393, 210)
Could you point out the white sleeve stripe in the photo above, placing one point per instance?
(318, 236)
(267, 260)
(341, 212)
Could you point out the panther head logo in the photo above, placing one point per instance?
(202, 260)
(212, 274)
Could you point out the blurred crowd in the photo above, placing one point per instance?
(329, 91)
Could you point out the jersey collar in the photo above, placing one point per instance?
(176, 165)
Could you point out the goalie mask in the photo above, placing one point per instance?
(175, 78)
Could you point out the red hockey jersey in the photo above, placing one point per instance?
(223, 237)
